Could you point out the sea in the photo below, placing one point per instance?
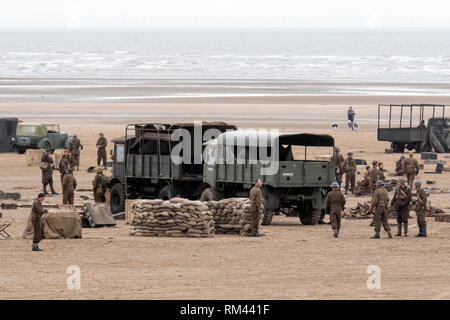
(61, 64)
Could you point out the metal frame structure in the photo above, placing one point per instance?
(411, 108)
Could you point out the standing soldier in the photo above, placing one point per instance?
(381, 171)
(47, 165)
(37, 210)
(412, 168)
(255, 207)
(338, 159)
(401, 200)
(74, 148)
(65, 162)
(101, 149)
(421, 204)
(69, 186)
(374, 176)
(335, 202)
(380, 202)
(400, 166)
(100, 185)
(349, 167)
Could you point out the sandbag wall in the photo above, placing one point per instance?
(172, 218)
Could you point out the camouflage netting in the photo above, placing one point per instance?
(232, 216)
(173, 218)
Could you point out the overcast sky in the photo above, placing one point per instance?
(372, 14)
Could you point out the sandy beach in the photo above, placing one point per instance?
(291, 262)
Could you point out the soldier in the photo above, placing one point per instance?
(380, 201)
(47, 165)
(364, 184)
(400, 201)
(335, 202)
(100, 185)
(421, 204)
(74, 148)
(65, 162)
(101, 149)
(400, 166)
(338, 159)
(255, 207)
(374, 175)
(69, 186)
(412, 168)
(349, 167)
(381, 171)
(36, 213)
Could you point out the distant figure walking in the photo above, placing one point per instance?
(351, 119)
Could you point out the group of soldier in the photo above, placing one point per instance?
(373, 177)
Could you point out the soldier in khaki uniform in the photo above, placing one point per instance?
(255, 207)
(37, 210)
(338, 160)
(400, 166)
(335, 202)
(349, 167)
(374, 175)
(380, 202)
(69, 186)
(412, 168)
(65, 162)
(101, 150)
(400, 201)
(74, 148)
(421, 204)
(47, 165)
(381, 171)
(100, 186)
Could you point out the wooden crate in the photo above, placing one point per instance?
(34, 157)
(442, 217)
(128, 214)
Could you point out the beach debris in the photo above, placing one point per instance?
(442, 217)
(388, 150)
(10, 195)
(361, 211)
(431, 181)
(428, 156)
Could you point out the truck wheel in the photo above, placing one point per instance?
(398, 147)
(117, 198)
(20, 151)
(208, 195)
(307, 215)
(166, 193)
(267, 217)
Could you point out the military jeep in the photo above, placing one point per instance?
(40, 136)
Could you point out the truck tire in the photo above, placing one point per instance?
(398, 147)
(208, 195)
(21, 151)
(267, 217)
(166, 193)
(307, 214)
(117, 198)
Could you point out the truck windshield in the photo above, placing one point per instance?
(24, 130)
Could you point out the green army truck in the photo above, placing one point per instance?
(224, 166)
(233, 163)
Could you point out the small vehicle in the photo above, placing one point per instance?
(40, 136)
(414, 134)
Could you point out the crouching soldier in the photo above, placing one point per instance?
(100, 184)
(400, 201)
(335, 202)
(380, 202)
(421, 204)
(69, 186)
(37, 210)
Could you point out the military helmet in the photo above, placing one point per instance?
(379, 183)
(411, 153)
(402, 157)
(418, 183)
(374, 162)
(99, 169)
(75, 135)
(335, 185)
(350, 152)
(337, 149)
(402, 180)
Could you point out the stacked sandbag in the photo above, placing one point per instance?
(172, 218)
(232, 216)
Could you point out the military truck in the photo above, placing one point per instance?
(233, 163)
(404, 126)
(40, 136)
(143, 168)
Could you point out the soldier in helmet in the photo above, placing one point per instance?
(74, 148)
(349, 167)
(400, 201)
(421, 204)
(374, 175)
(101, 149)
(100, 185)
(379, 205)
(412, 168)
(381, 171)
(338, 160)
(47, 166)
(335, 202)
(255, 197)
(400, 166)
(69, 186)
